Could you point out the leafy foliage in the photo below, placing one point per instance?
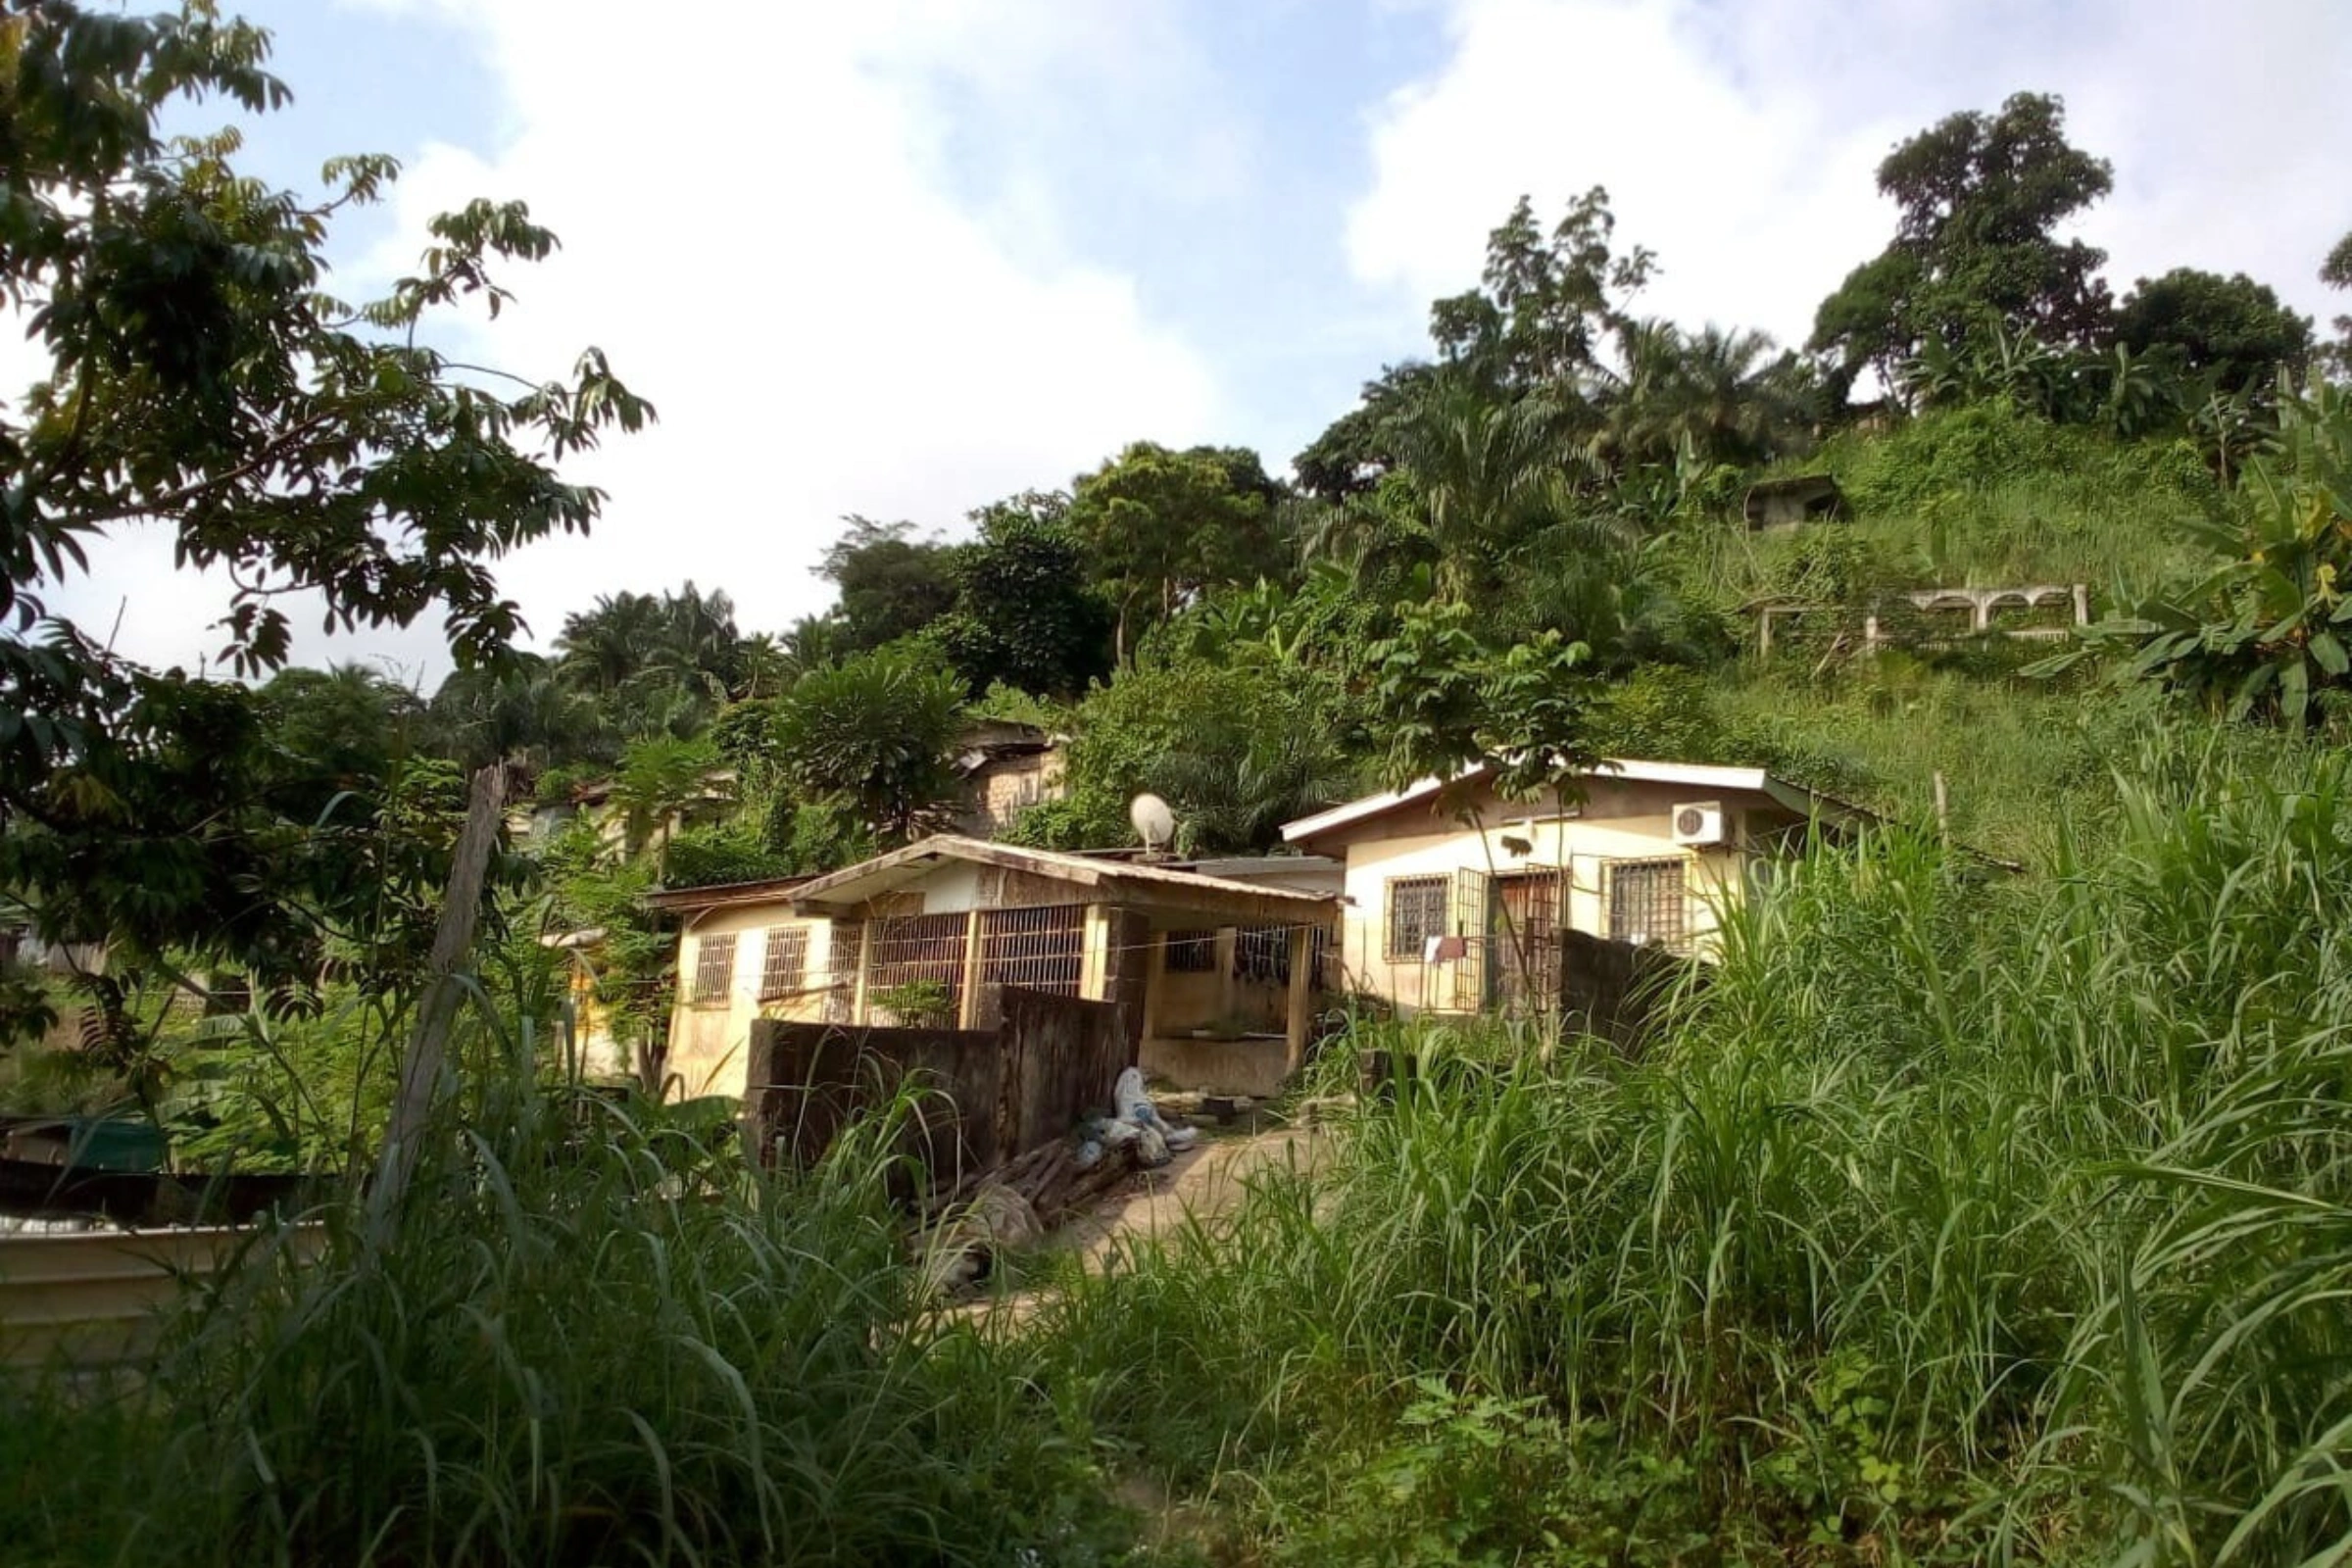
(873, 732)
(2265, 631)
(1980, 199)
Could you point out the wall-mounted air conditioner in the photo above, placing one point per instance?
(1698, 822)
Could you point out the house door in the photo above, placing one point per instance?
(1525, 940)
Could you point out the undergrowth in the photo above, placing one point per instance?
(1958, 1219)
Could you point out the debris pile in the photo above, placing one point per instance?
(1018, 1201)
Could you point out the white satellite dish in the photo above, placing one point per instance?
(1153, 822)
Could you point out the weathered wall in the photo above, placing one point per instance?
(1218, 1067)
(1005, 1090)
(708, 1041)
(1614, 989)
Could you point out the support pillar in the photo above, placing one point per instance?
(1302, 998)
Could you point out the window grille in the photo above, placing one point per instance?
(1416, 912)
(1649, 902)
(844, 947)
(713, 969)
(1192, 953)
(1040, 948)
(919, 948)
(784, 966)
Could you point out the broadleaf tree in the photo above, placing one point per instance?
(200, 381)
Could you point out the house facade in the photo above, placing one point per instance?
(1455, 900)
(927, 934)
(1004, 768)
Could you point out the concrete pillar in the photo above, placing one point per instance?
(967, 1015)
(2081, 604)
(1229, 940)
(1302, 1000)
(1154, 981)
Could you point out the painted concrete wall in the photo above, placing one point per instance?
(708, 1042)
(1618, 822)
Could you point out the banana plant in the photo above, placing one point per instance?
(2272, 626)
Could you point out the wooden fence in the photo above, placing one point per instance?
(1002, 1090)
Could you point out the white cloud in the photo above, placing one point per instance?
(1740, 142)
(760, 229)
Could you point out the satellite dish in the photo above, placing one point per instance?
(1153, 822)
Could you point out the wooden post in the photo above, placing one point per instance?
(1302, 998)
(967, 1017)
(437, 1015)
(2081, 604)
(1943, 808)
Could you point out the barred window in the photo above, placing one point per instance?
(1416, 912)
(1648, 902)
(713, 969)
(1041, 948)
(1192, 953)
(784, 966)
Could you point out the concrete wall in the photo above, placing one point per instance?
(1216, 1067)
(708, 1041)
(1620, 820)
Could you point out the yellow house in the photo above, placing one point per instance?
(926, 934)
(1456, 903)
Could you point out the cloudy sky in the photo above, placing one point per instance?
(899, 257)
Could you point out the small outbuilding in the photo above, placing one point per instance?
(1801, 498)
(928, 934)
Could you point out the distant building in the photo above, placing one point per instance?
(1804, 498)
(1005, 768)
(926, 934)
(1442, 916)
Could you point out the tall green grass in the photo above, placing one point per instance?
(1957, 1219)
(590, 1334)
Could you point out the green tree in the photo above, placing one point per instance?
(656, 664)
(199, 379)
(1025, 614)
(1550, 305)
(873, 732)
(891, 584)
(2202, 323)
(1160, 525)
(1979, 200)
(2337, 273)
(1236, 748)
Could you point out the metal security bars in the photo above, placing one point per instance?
(713, 969)
(1650, 902)
(1416, 912)
(847, 945)
(784, 964)
(918, 950)
(1192, 953)
(1042, 948)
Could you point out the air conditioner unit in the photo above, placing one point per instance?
(1698, 822)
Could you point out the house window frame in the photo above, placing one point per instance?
(781, 979)
(713, 970)
(1672, 903)
(1437, 888)
(1192, 950)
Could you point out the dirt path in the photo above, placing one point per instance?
(1204, 1181)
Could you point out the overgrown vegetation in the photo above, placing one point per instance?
(1955, 1220)
(1958, 1217)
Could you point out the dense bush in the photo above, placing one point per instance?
(1954, 1219)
